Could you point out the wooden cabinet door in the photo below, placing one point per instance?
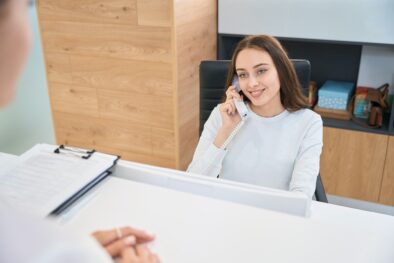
(352, 163)
(387, 191)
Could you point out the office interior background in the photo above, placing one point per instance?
(30, 118)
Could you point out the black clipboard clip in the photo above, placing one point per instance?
(84, 154)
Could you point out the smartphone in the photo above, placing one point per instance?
(240, 105)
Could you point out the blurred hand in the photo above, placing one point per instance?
(139, 254)
(116, 240)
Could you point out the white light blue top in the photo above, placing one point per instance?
(280, 152)
(29, 239)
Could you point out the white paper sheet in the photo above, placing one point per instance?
(42, 180)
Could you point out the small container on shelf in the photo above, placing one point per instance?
(362, 106)
(335, 95)
(312, 93)
(333, 101)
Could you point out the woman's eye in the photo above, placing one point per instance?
(242, 75)
(261, 71)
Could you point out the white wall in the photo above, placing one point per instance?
(377, 66)
(28, 120)
(368, 21)
(364, 21)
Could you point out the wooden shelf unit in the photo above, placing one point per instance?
(352, 163)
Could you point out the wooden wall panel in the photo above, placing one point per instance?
(142, 77)
(106, 40)
(387, 189)
(352, 163)
(58, 68)
(96, 11)
(74, 99)
(195, 41)
(163, 143)
(128, 139)
(154, 12)
(123, 76)
(150, 110)
(97, 132)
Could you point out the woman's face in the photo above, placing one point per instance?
(258, 78)
(15, 40)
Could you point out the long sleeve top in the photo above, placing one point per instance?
(25, 238)
(279, 152)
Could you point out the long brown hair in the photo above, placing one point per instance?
(2, 2)
(291, 95)
(2, 8)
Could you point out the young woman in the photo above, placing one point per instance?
(280, 143)
(25, 239)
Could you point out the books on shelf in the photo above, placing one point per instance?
(47, 179)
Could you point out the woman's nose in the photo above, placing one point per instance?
(253, 81)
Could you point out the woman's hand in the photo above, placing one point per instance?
(139, 254)
(228, 111)
(230, 116)
(116, 240)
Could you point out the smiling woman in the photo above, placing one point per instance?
(280, 143)
(267, 56)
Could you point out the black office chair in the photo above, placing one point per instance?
(213, 75)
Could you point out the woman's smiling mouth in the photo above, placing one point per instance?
(257, 93)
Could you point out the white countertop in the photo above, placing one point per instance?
(193, 228)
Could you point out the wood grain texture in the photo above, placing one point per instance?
(195, 38)
(155, 12)
(75, 129)
(135, 77)
(58, 68)
(106, 40)
(123, 74)
(122, 138)
(387, 190)
(74, 99)
(352, 163)
(153, 111)
(96, 11)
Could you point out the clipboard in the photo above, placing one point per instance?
(47, 179)
(78, 152)
(67, 203)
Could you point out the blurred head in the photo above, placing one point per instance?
(266, 75)
(15, 40)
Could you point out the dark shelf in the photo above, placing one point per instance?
(351, 125)
(329, 60)
(312, 40)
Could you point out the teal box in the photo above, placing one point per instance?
(335, 94)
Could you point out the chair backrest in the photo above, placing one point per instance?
(320, 192)
(213, 75)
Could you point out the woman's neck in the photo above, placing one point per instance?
(268, 110)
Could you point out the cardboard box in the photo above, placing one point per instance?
(335, 94)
